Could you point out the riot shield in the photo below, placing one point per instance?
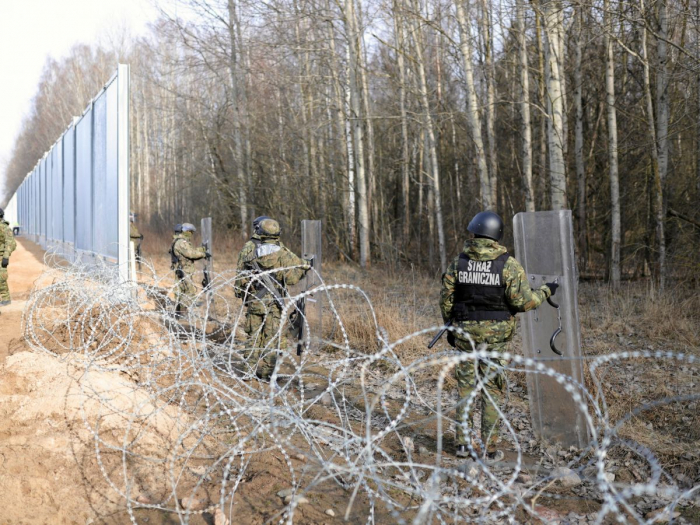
(544, 245)
(209, 262)
(311, 238)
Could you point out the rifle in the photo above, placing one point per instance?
(206, 280)
(268, 286)
(440, 334)
(138, 252)
(298, 321)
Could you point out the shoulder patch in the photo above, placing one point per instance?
(266, 249)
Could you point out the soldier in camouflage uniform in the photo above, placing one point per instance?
(482, 290)
(264, 301)
(183, 255)
(7, 246)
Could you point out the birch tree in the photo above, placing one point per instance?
(551, 12)
(431, 143)
(472, 109)
(615, 233)
(578, 139)
(526, 128)
(354, 57)
(662, 108)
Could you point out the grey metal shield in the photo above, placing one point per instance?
(207, 243)
(311, 246)
(544, 245)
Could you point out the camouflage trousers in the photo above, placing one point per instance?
(4, 289)
(468, 375)
(261, 347)
(185, 291)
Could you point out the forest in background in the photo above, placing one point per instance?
(395, 121)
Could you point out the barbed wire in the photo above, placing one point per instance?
(186, 418)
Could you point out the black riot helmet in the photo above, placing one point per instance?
(178, 228)
(487, 224)
(256, 224)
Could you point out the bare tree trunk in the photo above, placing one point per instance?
(557, 166)
(432, 160)
(458, 176)
(342, 103)
(662, 108)
(473, 118)
(307, 105)
(697, 82)
(490, 74)
(354, 58)
(578, 143)
(351, 213)
(371, 157)
(542, 95)
(237, 132)
(525, 109)
(405, 189)
(652, 130)
(612, 150)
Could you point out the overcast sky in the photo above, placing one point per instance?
(32, 30)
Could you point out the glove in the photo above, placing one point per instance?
(451, 339)
(552, 287)
(5, 262)
(207, 255)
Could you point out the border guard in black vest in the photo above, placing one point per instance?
(482, 290)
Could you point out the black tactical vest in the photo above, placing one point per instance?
(480, 290)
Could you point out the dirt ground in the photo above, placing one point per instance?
(25, 269)
(48, 471)
(37, 484)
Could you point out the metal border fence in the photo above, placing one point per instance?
(76, 200)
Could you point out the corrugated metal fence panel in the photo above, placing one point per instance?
(57, 192)
(101, 238)
(77, 196)
(83, 183)
(69, 186)
(111, 205)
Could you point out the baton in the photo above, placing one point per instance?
(440, 334)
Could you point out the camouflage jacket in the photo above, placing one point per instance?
(186, 253)
(7, 240)
(269, 254)
(134, 232)
(518, 293)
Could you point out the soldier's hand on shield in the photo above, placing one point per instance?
(207, 255)
(552, 287)
(5, 262)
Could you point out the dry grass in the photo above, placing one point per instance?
(634, 318)
(403, 304)
(638, 318)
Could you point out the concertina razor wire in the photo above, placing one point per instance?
(189, 415)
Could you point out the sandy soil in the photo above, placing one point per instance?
(26, 267)
(36, 484)
(43, 478)
(48, 469)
